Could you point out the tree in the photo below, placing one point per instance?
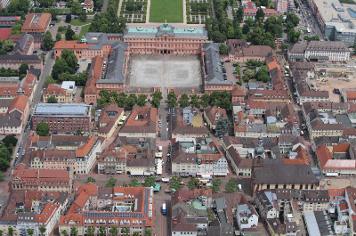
(42, 129)
(148, 232)
(136, 234)
(71, 60)
(73, 231)
(10, 141)
(91, 231)
(83, 16)
(231, 186)
(58, 37)
(184, 100)
(134, 183)
(156, 99)
(23, 70)
(175, 183)
(42, 230)
(125, 231)
(60, 66)
(149, 181)
(91, 180)
(69, 35)
(113, 231)
(293, 36)
(19, 7)
(131, 100)
(205, 100)
(223, 49)
(64, 233)
(194, 101)
(76, 8)
(193, 183)
(1, 233)
(291, 21)
(141, 100)
(10, 231)
(111, 183)
(172, 99)
(52, 99)
(260, 15)
(102, 231)
(68, 18)
(262, 74)
(47, 43)
(215, 185)
(45, 3)
(30, 232)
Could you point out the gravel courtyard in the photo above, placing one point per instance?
(164, 71)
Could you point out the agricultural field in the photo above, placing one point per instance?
(170, 11)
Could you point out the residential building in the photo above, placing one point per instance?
(32, 209)
(63, 117)
(14, 61)
(14, 118)
(123, 207)
(133, 156)
(275, 174)
(198, 157)
(78, 158)
(142, 122)
(47, 180)
(60, 94)
(326, 119)
(319, 51)
(188, 123)
(8, 21)
(109, 119)
(189, 211)
(36, 23)
(246, 216)
(213, 115)
(25, 45)
(240, 51)
(282, 6)
(337, 160)
(88, 6)
(213, 74)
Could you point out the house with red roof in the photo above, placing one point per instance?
(24, 178)
(337, 160)
(103, 208)
(32, 209)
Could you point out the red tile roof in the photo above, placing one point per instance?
(85, 149)
(70, 44)
(19, 103)
(36, 22)
(5, 33)
(54, 89)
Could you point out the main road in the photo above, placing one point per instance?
(47, 69)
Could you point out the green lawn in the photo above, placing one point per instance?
(84, 30)
(77, 22)
(170, 11)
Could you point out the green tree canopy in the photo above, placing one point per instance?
(47, 43)
(42, 129)
(231, 186)
(69, 34)
(172, 99)
(184, 100)
(52, 99)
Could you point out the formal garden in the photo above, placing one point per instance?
(198, 11)
(134, 11)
